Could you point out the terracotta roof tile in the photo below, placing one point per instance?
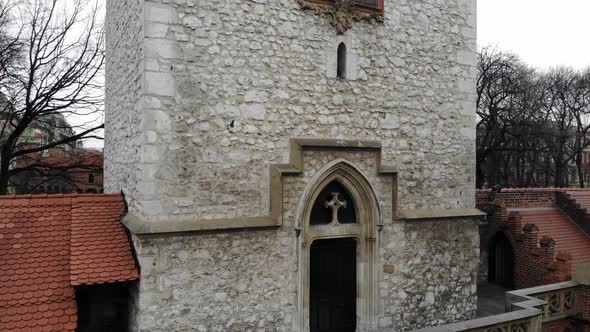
(51, 243)
(567, 235)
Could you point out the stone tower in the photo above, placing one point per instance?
(292, 165)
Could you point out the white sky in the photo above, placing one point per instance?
(544, 33)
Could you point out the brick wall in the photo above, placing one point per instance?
(561, 325)
(583, 302)
(522, 198)
(536, 262)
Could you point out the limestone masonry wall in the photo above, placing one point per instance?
(123, 120)
(203, 96)
(247, 280)
(226, 84)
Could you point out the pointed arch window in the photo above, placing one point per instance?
(334, 205)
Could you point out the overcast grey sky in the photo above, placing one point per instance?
(544, 33)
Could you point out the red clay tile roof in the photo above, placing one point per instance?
(566, 234)
(100, 250)
(582, 197)
(50, 243)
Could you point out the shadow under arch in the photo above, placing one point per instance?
(365, 232)
(501, 259)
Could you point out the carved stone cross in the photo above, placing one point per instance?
(335, 204)
(342, 13)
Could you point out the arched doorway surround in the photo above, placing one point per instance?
(365, 231)
(501, 260)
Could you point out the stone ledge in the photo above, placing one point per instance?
(139, 226)
(488, 322)
(294, 167)
(429, 214)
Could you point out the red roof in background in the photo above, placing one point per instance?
(51, 243)
(566, 234)
(88, 161)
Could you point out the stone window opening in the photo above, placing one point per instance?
(341, 61)
(334, 205)
(91, 178)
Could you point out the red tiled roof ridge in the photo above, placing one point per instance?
(504, 190)
(74, 195)
(554, 224)
(524, 189)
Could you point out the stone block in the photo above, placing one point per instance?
(162, 48)
(159, 84)
(253, 111)
(156, 30)
(163, 13)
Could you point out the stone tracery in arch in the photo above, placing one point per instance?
(352, 188)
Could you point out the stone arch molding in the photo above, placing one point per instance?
(365, 232)
(350, 177)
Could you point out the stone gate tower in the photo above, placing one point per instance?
(295, 165)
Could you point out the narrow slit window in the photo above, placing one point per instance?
(341, 62)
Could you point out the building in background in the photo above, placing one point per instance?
(67, 264)
(60, 173)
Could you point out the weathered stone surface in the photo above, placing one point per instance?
(202, 96)
(269, 60)
(247, 280)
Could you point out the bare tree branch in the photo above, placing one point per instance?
(53, 70)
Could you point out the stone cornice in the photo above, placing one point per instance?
(430, 214)
(294, 167)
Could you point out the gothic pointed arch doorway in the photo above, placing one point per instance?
(339, 214)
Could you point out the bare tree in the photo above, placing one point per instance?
(570, 108)
(55, 69)
(9, 46)
(499, 80)
(532, 126)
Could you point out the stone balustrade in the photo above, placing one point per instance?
(527, 310)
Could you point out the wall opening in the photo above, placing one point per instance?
(322, 212)
(501, 261)
(341, 61)
(103, 307)
(333, 285)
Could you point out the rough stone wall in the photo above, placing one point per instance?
(124, 72)
(227, 83)
(247, 280)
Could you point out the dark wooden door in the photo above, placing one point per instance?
(501, 261)
(333, 286)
